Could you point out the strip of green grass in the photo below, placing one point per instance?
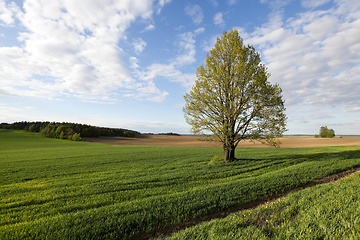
(328, 211)
(57, 189)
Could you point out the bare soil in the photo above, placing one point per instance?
(192, 141)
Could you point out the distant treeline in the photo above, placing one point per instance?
(169, 133)
(65, 130)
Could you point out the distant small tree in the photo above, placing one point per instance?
(60, 130)
(325, 132)
(62, 135)
(76, 137)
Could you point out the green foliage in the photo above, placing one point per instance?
(53, 189)
(54, 129)
(59, 130)
(216, 159)
(316, 136)
(325, 132)
(232, 97)
(76, 137)
(34, 128)
(62, 135)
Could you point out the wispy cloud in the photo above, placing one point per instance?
(218, 19)
(312, 3)
(214, 3)
(195, 12)
(161, 4)
(149, 27)
(186, 43)
(139, 45)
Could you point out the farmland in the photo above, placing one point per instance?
(57, 189)
(328, 211)
(193, 141)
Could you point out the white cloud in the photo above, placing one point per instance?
(149, 27)
(169, 72)
(134, 62)
(186, 56)
(209, 43)
(7, 12)
(187, 47)
(69, 47)
(195, 12)
(243, 34)
(313, 3)
(139, 45)
(161, 4)
(218, 19)
(179, 28)
(275, 5)
(4, 92)
(323, 26)
(148, 92)
(231, 2)
(214, 3)
(314, 57)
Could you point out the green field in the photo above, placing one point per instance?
(328, 211)
(58, 189)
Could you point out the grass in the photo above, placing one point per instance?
(328, 211)
(57, 189)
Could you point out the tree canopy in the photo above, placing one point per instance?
(232, 97)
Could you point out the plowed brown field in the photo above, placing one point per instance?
(192, 141)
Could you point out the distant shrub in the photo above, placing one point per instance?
(316, 136)
(325, 132)
(76, 137)
(169, 133)
(216, 159)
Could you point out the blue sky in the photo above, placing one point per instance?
(128, 63)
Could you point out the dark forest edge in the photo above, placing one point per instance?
(70, 131)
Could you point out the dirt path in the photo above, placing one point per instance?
(192, 141)
(172, 229)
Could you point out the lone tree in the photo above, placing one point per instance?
(233, 99)
(325, 132)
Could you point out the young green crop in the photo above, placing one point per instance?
(328, 211)
(57, 189)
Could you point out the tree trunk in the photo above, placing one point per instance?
(226, 153)
(232, 152)
(229, 152)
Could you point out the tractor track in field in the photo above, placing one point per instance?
(175, 228)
